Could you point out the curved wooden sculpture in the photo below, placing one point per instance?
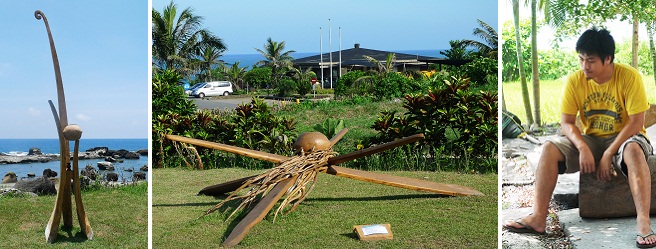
(267, 202)
(66, 133)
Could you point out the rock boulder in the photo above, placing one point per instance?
(34, 152)
(138, 176)
(39, 186)
(112, 177)
(49, 173)
(105, 166)
(10, 178)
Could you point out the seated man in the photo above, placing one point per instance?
(611, 101)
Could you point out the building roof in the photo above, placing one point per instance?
(355, 57)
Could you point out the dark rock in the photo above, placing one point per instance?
(144, 168)
(138, 176)
(131, 155)
(143, 152)
(110, 159)
(105, 166)
(102, 151)
(10, 178)
(611, 199)
(39, 186)
(112, 177)
(34, 152)
(128, 169)
(89, 172)
(13, 159)
(49, 173)
(31, 175)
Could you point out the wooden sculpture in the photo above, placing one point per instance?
(66, 133)
(288, 182)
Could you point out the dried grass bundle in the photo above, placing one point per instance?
(306, 167)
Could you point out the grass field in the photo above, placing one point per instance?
(326, 218)
(118, 217)
(550, 96)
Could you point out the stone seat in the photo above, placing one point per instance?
(611, 199)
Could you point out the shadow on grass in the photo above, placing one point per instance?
(68, 236)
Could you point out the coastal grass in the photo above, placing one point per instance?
(550, 97)
(118, 217)
(326, 218)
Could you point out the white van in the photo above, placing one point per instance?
(214, 88)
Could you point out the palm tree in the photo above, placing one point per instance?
(490, 45)
(176, 42)
(380, 70)
(520, 60)
(275, 57)
(208, 58)
(235, 75)
(458, 50)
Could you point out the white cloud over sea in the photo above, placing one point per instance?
(82, 117)
(34, 112)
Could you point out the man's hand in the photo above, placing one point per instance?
(586, 160)
(603, 172)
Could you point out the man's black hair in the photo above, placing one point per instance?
(597, 42)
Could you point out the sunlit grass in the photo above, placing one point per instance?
(550, 97)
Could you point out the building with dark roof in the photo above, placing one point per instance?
(353, 59)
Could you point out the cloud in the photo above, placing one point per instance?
(34, 112)
(83, 117)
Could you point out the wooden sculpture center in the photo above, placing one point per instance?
(309, 141)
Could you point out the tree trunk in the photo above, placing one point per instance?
(636, 42)
(520, 61)
(534, 62)
(651, 28)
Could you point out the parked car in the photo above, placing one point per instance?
(214, 88)
(191, 89)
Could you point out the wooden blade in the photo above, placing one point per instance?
(338, 137)
(258, 213)
(403, 182)
(375, 149)
(52, 228)
(82, 218)
(229, 148)
(224, 188)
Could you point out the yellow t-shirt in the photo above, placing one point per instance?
(605, 109)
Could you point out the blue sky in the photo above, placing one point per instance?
(103, 53)
(389, 25)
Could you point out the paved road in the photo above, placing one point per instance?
(229, 103)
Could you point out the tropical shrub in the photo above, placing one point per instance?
(330, 127)
(286, 87)
(167, 96)
(481, 71)
(258, 77)
(251, 126)
(345, 85)
(456, 122)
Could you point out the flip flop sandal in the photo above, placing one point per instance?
(644, 237)
(524, 229)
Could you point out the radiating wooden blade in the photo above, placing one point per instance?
(403, 182)
(338, 137)
(258, 213)
(224, 188)
(375, 149)
(229, 148)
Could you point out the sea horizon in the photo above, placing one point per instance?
(20, 146)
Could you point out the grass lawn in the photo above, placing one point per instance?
(326, 218)
(118, 217)
(550, 97)
(357, 118)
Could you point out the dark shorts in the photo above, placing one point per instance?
(597, 146)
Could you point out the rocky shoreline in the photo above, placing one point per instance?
(35, 155)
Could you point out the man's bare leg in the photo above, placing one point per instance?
(640, 184)
(546, 178)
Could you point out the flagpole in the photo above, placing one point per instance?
(330, 35)
(340, 52)
(321, 54)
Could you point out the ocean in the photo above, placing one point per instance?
(247, 60)
(51, 146)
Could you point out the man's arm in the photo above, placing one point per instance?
(586, 159)
(632, 128)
